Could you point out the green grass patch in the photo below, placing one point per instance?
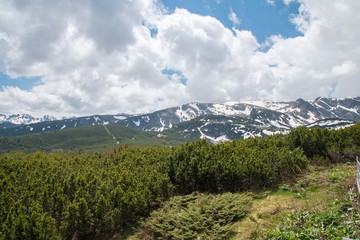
(308, 208)
(340, 220)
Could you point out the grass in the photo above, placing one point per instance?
(314, 191)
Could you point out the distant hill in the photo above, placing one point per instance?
(88, 138)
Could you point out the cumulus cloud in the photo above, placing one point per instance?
(311, 64)
(213, 58)
(110, 57)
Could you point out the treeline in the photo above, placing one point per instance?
(60, 195)
(324, 145)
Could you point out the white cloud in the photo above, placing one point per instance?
(233, 17)
(213, 59)
(287, 2)
(312, 63)
(270, 2)
(109, 57)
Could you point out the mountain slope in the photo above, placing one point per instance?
(10, 128)
(215, 121)
(286, 115)
(88, 138)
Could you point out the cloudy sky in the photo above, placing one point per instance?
(82, 57)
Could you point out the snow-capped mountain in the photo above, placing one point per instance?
(216, 121)
(8, 128)
(20, 119)
(284, 115)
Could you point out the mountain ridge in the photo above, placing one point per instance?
(214, 121)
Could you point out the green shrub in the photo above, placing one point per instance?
(202, 216)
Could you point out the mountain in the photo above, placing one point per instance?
(11, 128)
(216, 121)
(283, 115)
(232, 120)
(19, 119)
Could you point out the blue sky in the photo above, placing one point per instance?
(258, 16)
(24, 83)
(99, 57)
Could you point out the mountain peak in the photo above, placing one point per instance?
(24, 118)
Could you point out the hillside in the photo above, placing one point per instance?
(88, 138)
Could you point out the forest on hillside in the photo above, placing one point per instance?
(59, 195)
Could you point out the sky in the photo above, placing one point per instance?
(85, 57)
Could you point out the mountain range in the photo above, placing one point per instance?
(213, 121)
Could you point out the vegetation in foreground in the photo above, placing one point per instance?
(321, 204)
(340, 220)
(203, 216)
(101, 195)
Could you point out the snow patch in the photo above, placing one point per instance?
(349, 109)
(332, 124)
(146, 118)
(230, 109)
(162, 125)
(312, 117)
(137, 123)
(248, 135)
(119, 117)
